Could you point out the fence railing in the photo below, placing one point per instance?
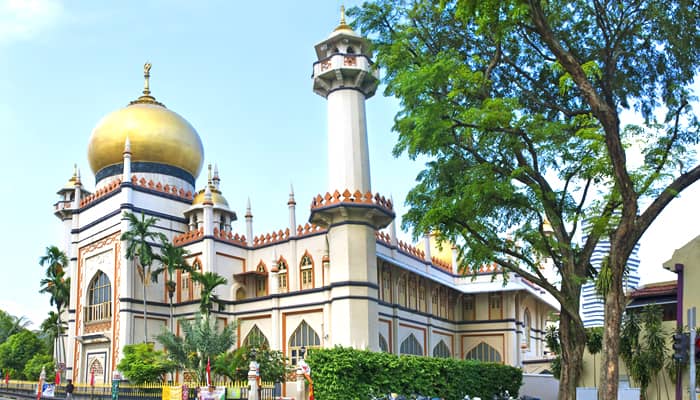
(28, 390)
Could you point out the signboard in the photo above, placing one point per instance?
(115, 389)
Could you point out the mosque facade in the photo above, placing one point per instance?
(342, 278)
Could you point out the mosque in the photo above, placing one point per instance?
(342, 278)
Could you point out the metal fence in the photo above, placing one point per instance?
(28, 390)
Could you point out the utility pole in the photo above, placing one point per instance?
(691, 353)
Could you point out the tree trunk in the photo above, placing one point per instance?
(573, 341)
(145, 313)
(614, 307)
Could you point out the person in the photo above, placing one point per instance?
(69, 389)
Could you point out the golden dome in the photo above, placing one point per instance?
(156, 134)
(216, 198)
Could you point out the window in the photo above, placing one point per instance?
(442, 350)
(99, 299)
(469, 307)
(451, 307)
(495, 306)
(386, 285)
(422, 304)
(282, 275)
(383, 345)
(240, 294)
(443, 302)
(304, 336)
(256, 338)
(186, 293)
(195, 289)
(434, 297)
(483, 352)
(261, 280)
(526, 329)
(412, 293)
(402, 291)
(411, 346)
(306, 270)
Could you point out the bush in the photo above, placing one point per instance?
(345, 374)
(32, 369)
(143, 364)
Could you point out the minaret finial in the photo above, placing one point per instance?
(146, 77)
(342, 15)
(209, 181)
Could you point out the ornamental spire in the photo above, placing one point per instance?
(146, 97)
(343, 24)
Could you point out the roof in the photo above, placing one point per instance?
(655, 290)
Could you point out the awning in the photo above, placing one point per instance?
(641, 302)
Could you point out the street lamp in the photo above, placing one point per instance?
(253, 353)
(302, 352)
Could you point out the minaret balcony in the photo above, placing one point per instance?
(343, 70)
(365, 208)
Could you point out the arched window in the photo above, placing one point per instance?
(261, 280)
(526, 329)
(306, 272)
(410, 345)
(195, 287)
(282, 275)
(483, 352)
(402, 290)
(386, 284)
(99, 298)
(96, 368)
(240, 294)
(256, 338)
(303, 336)
(350, 50)
(442, 350)
(383, 345)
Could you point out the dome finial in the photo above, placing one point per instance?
(146, 97)
(146, 76)
(209, 180)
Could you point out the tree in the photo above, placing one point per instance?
(208, 281)
(57, 285)
(139, 238)
(53, 328)
(32, 369)
(9, 325)
(234, 365)
(516, 105)
(143, 364)
(17, 350)
(644, 347)
(594, 343)
(172, 258)
(201, 341)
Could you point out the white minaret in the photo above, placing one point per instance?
(346, 77)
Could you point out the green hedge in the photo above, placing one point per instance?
(348, 374)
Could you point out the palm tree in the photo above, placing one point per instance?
(172, 258)
(9, 325)
(208, 281)
(139, 238)
(53, 327)
(58, 287)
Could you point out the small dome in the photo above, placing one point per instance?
(157, 135)
(216, 197)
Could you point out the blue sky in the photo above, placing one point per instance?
(238, 71)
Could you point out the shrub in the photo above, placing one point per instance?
(345, 374)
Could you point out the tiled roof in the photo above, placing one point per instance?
(655, 289)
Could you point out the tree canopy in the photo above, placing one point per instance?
(517, 106)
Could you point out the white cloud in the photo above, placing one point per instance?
(36, 313)
(24, 19)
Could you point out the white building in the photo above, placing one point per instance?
(337, 280)
(592, 305)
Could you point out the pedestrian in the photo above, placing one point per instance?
(69, 389)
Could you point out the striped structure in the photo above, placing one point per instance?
(592, 305)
